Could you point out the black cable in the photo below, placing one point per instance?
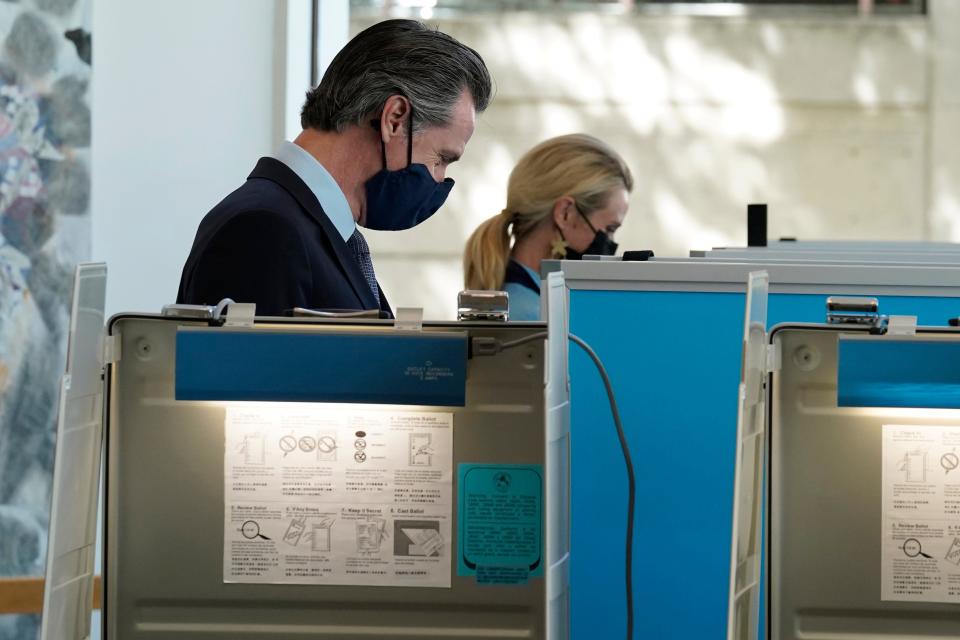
(624, 447)
(631, 479)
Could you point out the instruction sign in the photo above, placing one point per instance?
(921, 514)
(500, 523)
(322, 495)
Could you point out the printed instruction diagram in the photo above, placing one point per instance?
(920, 545)
(321, 495)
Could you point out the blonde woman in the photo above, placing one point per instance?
(565, 199)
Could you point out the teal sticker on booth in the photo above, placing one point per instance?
(500, 523)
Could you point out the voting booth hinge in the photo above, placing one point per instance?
(902, 325)
(773, 358)
(854, 310)
(111, 349)
(240, 314)
(409, 319)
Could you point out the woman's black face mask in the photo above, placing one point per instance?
(601, 245)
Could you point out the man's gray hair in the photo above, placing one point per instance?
(430, 68)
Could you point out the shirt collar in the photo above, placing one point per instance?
(533, 274)
(322, 184)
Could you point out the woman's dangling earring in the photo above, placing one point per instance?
(558, 246)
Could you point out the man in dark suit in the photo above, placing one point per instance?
(395, 108)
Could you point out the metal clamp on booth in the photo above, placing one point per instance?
(853, 310)
(474, 304)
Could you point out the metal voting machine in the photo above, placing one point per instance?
(284, 478)
(670, 334)
(847, 477)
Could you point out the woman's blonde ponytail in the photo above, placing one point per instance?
(487, 252)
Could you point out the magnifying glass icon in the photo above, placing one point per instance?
(251, 530)
(912, 549)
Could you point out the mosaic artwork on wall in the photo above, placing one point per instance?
(45, 65)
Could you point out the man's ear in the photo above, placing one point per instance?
(394, 118)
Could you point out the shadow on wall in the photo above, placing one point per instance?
(824, 118)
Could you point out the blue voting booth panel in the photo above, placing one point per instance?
(674, 359)
(899, 374)
(427, 369)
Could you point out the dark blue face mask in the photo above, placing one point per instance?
(402, 199)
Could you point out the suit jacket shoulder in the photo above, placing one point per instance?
(270, 242)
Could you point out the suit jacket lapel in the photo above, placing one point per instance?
(274, 170)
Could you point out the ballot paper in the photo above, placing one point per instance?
(920, 545)
(315, 494)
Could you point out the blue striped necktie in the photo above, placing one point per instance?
(361, 251)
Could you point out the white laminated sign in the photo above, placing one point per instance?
(326, 495)
(921, 514)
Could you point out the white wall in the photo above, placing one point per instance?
(944, 175)
(185, 99)
(848, 128)
(183, 105)
(845, 126)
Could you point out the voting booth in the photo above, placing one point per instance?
(670, 335)
(847, 461)
(860, 256)
(838, 251)
(860, 245)
(335, 478)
